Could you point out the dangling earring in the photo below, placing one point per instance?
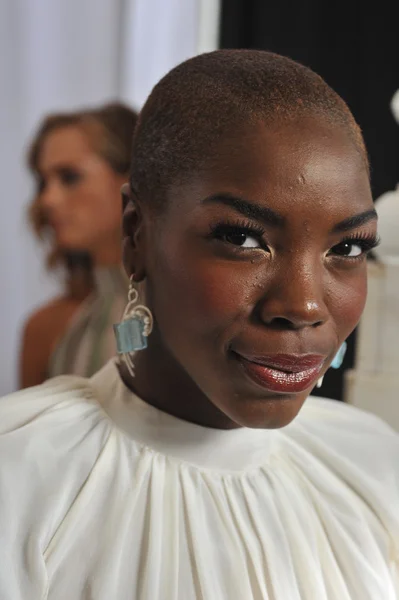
(339, 357)
(132, 332)
(337, 362)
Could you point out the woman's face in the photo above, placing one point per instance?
(80, 193)
(256, 274)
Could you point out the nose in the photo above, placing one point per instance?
(295, 299)
(52, 196)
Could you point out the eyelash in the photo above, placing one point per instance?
(366, 242)
(224, 228)
(68, 178)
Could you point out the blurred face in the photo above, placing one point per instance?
(80, 193)
(256, 274)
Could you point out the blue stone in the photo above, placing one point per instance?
(339, 357)
(130, 336)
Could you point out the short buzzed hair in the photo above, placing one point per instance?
(206, 97)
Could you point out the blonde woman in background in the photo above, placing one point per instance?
(79, 160)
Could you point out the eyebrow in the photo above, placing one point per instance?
(355, 221)
(273, 218)
(248, 209)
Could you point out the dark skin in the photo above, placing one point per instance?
(283, 278)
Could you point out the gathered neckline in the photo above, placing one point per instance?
(205, 447)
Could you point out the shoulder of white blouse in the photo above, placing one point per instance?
(26, 406)
(336, 413)
(346, 435)
(357, 447)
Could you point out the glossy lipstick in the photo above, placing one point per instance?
(283, 373)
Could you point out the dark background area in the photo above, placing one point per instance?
(354, 46)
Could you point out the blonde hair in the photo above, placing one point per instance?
(110, 130)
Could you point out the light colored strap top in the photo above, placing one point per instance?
(89, 342)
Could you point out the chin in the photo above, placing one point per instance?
(270, 413)
(71, 245)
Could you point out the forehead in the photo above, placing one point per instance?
(64, 145)
(308, 153)
(290, 167)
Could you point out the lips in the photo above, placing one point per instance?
(283, 373)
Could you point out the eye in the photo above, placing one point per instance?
(350, 249)
(355, 247)
(69, 177)
(242, 239)
(242, 236)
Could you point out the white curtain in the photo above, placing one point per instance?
(63, 54)
(158, 35)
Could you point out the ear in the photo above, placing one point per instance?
(133, 246)
(125, 193)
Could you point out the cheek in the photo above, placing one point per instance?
(347, 302)
(96, 207)
(205, 295)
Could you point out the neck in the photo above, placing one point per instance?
(160, 381)
(107, 254)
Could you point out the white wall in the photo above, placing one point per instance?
(152, 46)
(373, 384)
(63, 54)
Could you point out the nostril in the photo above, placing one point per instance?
(284, 324)
(281, 323)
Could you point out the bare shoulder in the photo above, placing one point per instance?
(50, 321)
(40, 334)
(56, 307)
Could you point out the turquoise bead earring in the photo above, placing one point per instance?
(337, 362)
(132, 332)
(339, 357)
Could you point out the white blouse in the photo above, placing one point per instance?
(104, 497)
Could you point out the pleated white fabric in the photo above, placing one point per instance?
(104, 497)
